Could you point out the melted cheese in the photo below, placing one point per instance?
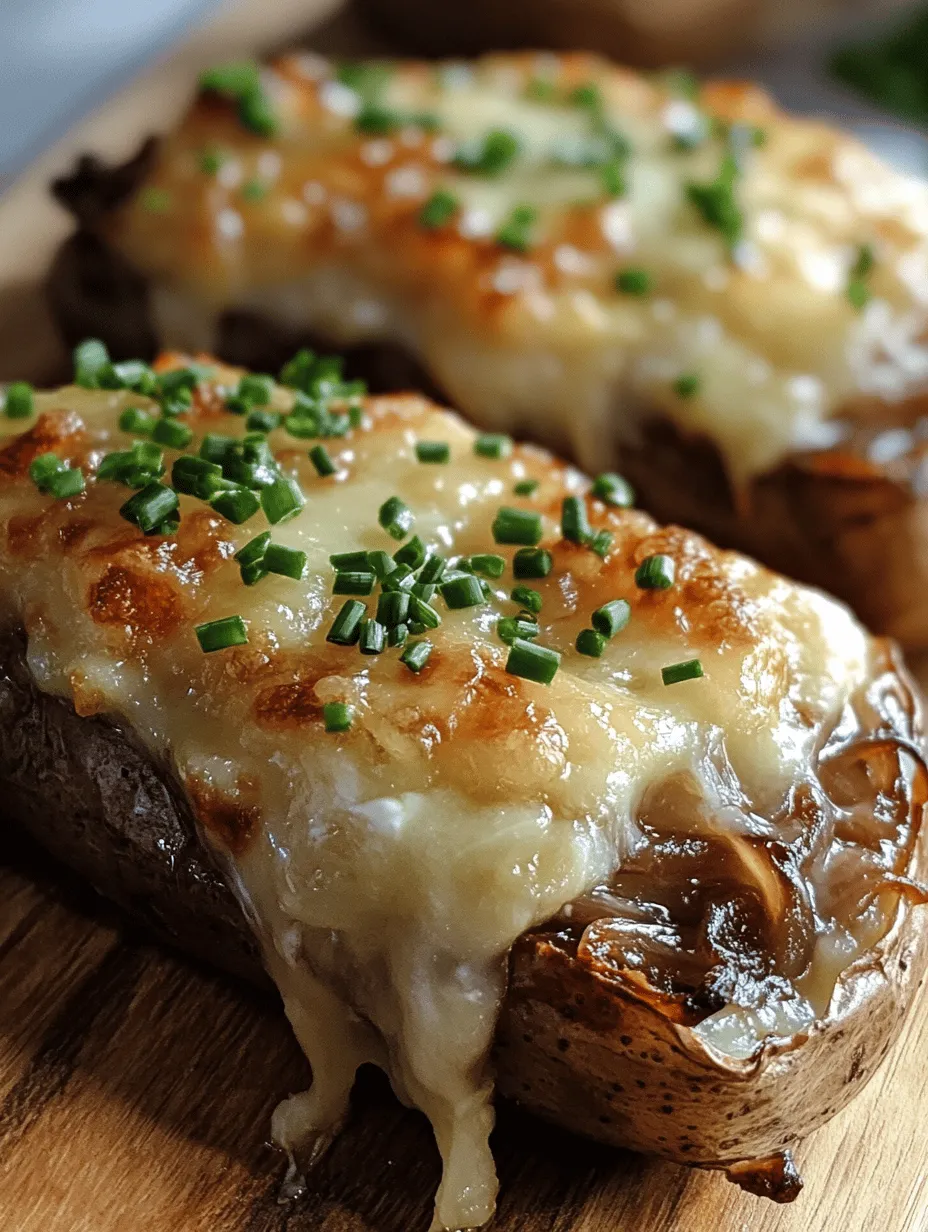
(388, 870)
(543, 338)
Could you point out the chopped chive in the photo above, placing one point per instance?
(373, 638)
(433, 451)
(69, 481)
(717, 203)
(532, 563)
(687, 385)
(322, 461)
(463, 591)
(288, 562)
(493, 445)
(397, 635)
(18, 400)
(516, 231)
(423, 613)
(256, 113)
(528, 598)
(490, 155)
(400, 577)
(613, 490)
(612, 617)
(517, 526)
(353, 582)
(196, 477)
(511, 627)
(256, 388)
(282, 500)
(532, 662)
(488, 563)
(134, 419)
(590, 643)
(346, 627)
(135, 375)
(221, 634)
(217, 448)
(691, 669)
(416, 655)
(155, 200)
(634, 282)
(253, 551)
(171, 433)
(438, 210)
(42, 467)
(211, 159)
(612, 178)
(541, 90)
(433, 569)
(858, 292)
(382, 563)
(352, 560)
(395, 518)
(655, 573)
(253, 573)
(424, 591)
(587, 95)
(150, 507)
(526, 487)
(393, 607)
(263, 421)
(255, 189)
(601, 542)
(236, 505)
(412, 553)
(91, 359)
(336, 716)
(575, 525)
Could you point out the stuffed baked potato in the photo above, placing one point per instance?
(726, 304)
(469, 751)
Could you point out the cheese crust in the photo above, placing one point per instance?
(388, 869)
(769, 321)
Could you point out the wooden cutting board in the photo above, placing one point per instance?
(136, 1092)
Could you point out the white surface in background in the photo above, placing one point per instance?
(60, 58)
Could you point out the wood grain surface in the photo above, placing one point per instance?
(136, 1092)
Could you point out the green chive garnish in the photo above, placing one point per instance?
(346, 627)
(655, 573)
(254, 190)
(155, 200)
(282, 500)
(612, 177)
(256, 388)
(463, 591)
(493, 445)
(612, 617)
(236, 505)
(42, 467)
(532, 563)
(590, 643)
(322, 461)
(438, 210)
(511, 627)
(254, 573)
(634, 282)
(517, 526)
(69, 481)
(397, 635)
(211, 159)
(171, 433)
(195, 477)
(528, 598)
(288, 562)
(687, 385)
(148, 509)
(416, 655)
(601, 542)
(858, 292)
(221, 634)
(488, 564)
(532, 662)
(587, 95)
(354, 560)
(677, 672)
(91, 359)
(263, 421)
(489, 156)
(433, 451)
(412, 553)
(613, 490)
(575, 525)
(516, 231)
(353, 582)
(253, 551)
(525, 487)
(717, 203)
(133, 419)
(395, 518)
(433, 569)
(18, 400)
(336, 716)
(423, 613)
(393, 607)
(373, 638)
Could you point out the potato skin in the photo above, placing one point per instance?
(573, 1044)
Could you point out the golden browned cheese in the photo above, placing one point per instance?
(388, 869)
(767, 305)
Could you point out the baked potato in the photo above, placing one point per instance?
(644, 813)
(724, 303)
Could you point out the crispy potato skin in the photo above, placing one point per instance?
(575, 1044)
